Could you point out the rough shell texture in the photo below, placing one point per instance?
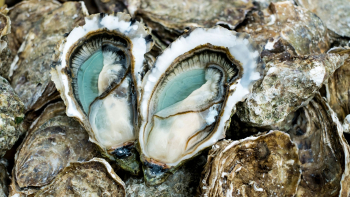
(323, 151)
(184, 182)
(5, 29)
(287, 30)
(11, 116)
(24, 16)
(4, 178)
(170, 18)
(286, 87)
(93, 178)
(48, 148)
(110, 6)
(30, 71)
(267, 165)
(338, 88)
(335, 14)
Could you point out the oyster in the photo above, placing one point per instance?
(92, 178)
(11, 117)
(286, 30)
(169, 18)
(335, 14)
(5, 27)
(287, 86)
(337, 88)
(98, 74)
(190, 94)
(30, 71)
(53, 141)
(4, 178)
(323, 150)
(110, 6)
(267, 165)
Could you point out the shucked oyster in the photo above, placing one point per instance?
(190, 94)
(267, 165)
(98, 74)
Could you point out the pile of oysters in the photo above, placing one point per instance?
(175, 98)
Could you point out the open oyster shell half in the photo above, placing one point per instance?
(98, 74)
(190, 94)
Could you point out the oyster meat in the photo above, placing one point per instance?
(190, 94)
(11, 117)
(92, 178)
(267, 165)
(51, 144)
(169, 18)
(98, 74)
(323, 150)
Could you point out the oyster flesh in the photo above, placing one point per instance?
(91, 178)
(190, 94)
(53, 141)
(98, 74)
(267, 165)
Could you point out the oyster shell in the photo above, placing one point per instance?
(267, 165)
(286, 87)
(92, 178)
(323, 150)
(169, 18)
(5, 27)
(190, 94)
(30, 71)
(4, 178)
(286, 30)
(110, 6)
(11, 117)
(335, 14)
(104, 97)
(52, 143)
(337, 87)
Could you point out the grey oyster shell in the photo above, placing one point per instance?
(267, 165)
(24, 16)
(53, 142)
(30, 70)
(169, 18)
(323, 150)
(335, 14)
(91, 178)
(185, 106)
(4, 178)
(98, 74)
(338, 88)
(5, 29)
(286, 30)
(11, 116)
(287, 86)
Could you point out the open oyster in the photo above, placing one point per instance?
(267, 165)
(323, 150)
(98, 74)
(92, 178)
(53, 141)
(190, 94)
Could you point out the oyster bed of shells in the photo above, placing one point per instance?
(175, 98)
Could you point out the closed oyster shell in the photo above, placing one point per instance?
(338, 89)
(286, 87)
(11, 116)
(185, 105)
(267, 165)
(53, 142)
(4, 178)
(98, 73)
(92, 178)
(286, 30)
(335, 14)
(323, 150)
(170, 18)
(30, 71)
(5, 27)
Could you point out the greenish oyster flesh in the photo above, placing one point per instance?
(190, 94)
(267, 165)
(53, 142)
(91, 178)
(11, 117)
(98, 73)
(169, 18)
(323, 150)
